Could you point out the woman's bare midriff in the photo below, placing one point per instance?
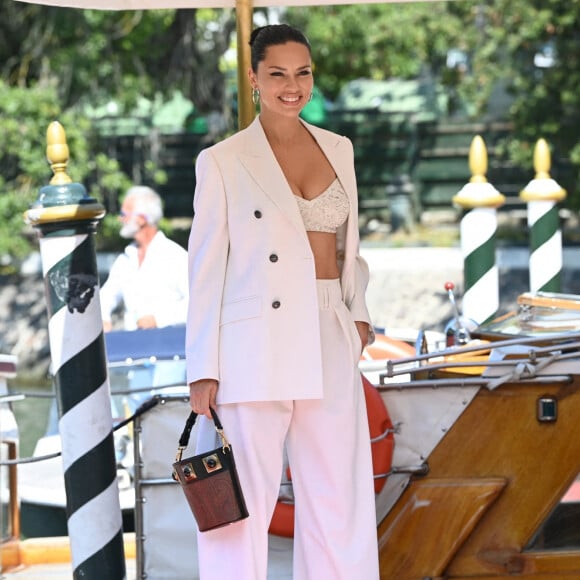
(323, 246)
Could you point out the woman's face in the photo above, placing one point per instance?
(284, 79)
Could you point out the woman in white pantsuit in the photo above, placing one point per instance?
(277, 322)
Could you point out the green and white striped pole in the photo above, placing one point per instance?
(542, 195)
(478, 231)
(66, 218)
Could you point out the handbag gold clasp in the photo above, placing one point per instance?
(225, 442)
(179, 453)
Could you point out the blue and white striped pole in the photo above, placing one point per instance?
(478, 230)
(66, 218)
(542, 195)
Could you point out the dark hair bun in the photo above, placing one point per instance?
(255, 33)
(270, 35)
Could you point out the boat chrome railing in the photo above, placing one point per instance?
(538, 362)
(523, 367)
(467, 382)
(554, 339)
(417, 470)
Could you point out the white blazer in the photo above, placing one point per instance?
(253, 309)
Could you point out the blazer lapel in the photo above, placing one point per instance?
(262, 165)
(341, 161)
(330, 145)
(340, 158)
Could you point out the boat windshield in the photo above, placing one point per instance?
(561, 529)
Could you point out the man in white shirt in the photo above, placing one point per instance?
(150, 278)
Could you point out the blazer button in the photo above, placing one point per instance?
(273, 258)
(276, 304)
(258, 214)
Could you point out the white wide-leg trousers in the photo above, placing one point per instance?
(328, 447)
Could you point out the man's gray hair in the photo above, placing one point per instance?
(146, 202)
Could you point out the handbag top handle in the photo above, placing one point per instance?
(184, 439)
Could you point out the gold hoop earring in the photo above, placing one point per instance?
(255, 96)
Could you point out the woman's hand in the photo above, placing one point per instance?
(202, 396)
(363, 332)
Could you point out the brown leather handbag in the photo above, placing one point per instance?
(210, 481)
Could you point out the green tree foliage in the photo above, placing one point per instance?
(504, 41)
(98, 55)
(141, 53)
(25, 114)
(378, 41)
(533, 47)
(54, 61)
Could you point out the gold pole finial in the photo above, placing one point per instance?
(542, 187)
(478, 193)
(478, 160)
(57, 153)
(542, 159)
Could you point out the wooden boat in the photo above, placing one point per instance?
(483, 481)
(499, 496)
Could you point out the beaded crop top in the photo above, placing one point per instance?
(327, 211)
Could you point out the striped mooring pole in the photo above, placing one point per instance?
(477, 232)
(65, 218)
(542, 195)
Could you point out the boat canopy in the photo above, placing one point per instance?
(166, 343)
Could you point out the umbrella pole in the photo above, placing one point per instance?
(244, 23)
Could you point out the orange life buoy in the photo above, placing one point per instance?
(382, 447)
(385, 347)
(282, 523)
(381, 432)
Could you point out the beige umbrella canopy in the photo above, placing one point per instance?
(160, 4)
(244, 10)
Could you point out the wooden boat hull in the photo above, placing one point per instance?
(494, 478)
